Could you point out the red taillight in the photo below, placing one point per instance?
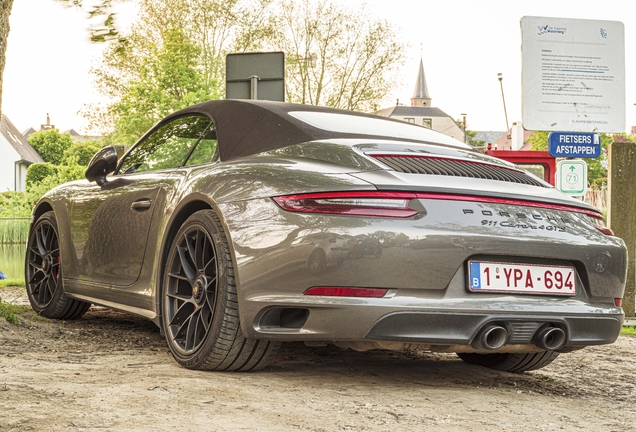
(379, 204)
(346, 292)
(396, 204)
(618, 302)
(515, 202)
(605, 230)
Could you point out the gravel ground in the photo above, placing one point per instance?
(113, 371)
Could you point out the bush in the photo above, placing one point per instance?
(14, 205)
(51, 144)
(37, 172)
(82, 152)
(597, 184)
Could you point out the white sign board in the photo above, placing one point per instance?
(573, 75)
(572, 177)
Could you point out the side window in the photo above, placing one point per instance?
(206, 150)
(167, 147)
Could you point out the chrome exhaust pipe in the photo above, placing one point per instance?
(549, 338)
(490, 338)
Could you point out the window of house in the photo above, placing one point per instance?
(427, 123)
(409, 119)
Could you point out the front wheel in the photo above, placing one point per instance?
(511, 362)
(200, 303)
(43, 273)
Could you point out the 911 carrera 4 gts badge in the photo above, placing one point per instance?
(523, 220)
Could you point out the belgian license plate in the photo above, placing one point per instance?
(488, 276)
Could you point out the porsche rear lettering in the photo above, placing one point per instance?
(508, 224)
(532, 216)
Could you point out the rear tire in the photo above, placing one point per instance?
(43, 273)
(200, 302)
(511, 362)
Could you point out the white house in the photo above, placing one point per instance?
(422, 113)
(16, 154)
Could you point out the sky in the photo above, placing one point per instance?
(464, 44)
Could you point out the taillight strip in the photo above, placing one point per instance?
(307, 203)
(517, 202)
(396, 203)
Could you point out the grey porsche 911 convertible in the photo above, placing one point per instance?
(237, 225)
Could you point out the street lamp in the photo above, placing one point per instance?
(500, 76)
(464, 127)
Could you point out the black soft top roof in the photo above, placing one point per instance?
(248, 127)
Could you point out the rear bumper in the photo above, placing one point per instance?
(461, 329)
(453, 318)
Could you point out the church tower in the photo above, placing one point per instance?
(420, 95)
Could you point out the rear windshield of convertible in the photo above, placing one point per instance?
(343, 123)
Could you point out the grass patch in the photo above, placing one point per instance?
(545, 378)
(12, 282)
(14, 230)
(628, 331)
(10, 312)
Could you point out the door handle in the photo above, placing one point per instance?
(141, 205)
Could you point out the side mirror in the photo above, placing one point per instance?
(103, 163)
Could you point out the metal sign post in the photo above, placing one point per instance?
(255, 76)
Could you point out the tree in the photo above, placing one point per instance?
(209, 28)
(471, 136)
(81, 152)
(168, 81)
(352, 56)
(337, 57)
(51, 144)
(5, 12)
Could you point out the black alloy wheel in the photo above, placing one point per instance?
(191, 289)
(200, 314)
(43, 273)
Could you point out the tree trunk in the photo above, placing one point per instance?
(621, 208)
(5, 12)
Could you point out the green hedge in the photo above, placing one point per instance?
(39, 171)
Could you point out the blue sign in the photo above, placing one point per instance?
(574, 144)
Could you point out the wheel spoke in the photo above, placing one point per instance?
(179, 333)
(211, 261)
(205, 319)
(38, 238)
(182, 314)
(189, 244)
(33, 277)
(36, 266)
(179, 297)
(187, 269)
(41, 290)
(46, 231)
(198, 252)
(50, 285)
(178, 276)
(191, 331)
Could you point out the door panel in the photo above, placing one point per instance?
(110, 226)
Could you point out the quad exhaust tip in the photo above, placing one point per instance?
(490, 338)
(550, 338)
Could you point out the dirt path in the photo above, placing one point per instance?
(113, 371)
